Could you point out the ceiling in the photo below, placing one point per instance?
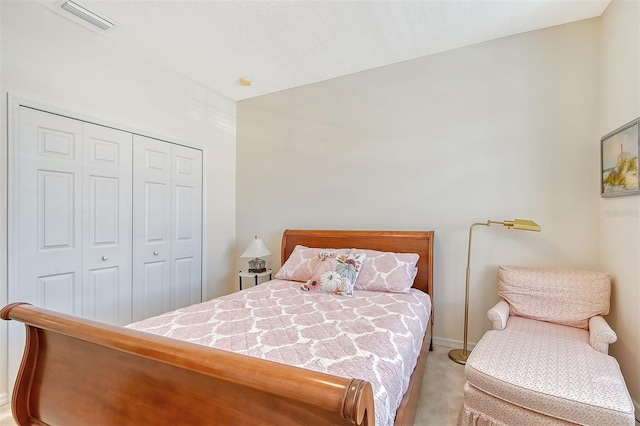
(284, 44)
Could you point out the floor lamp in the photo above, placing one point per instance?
(460, 355)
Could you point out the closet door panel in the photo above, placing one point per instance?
(156, 214)
(56, 204)
(107, 224)
(57, 292)
(186, 253)
(103, 293)
(48, 211)
(183, 269)
(152, 227)
(156, 296)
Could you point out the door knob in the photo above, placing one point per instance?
(105, 258)
(155, 253)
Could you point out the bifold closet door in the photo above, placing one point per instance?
(186, 226)
(167, 222)
(48, 213)
(73, 216)
(107, 221)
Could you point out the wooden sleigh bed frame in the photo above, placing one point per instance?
(77, 371)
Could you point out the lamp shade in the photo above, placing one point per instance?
(526, 225)
(256, 249)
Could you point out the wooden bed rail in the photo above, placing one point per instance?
(123, 376)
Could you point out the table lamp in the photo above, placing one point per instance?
(460, 355)
(256, 250)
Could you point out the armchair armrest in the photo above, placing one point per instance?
(600, 334)
(499, 315)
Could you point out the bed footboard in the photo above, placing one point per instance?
(76, 371)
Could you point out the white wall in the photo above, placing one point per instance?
(49, 59)
(620, 217)
(499, 130)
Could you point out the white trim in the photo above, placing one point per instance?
(20, 101)
(12, 191)
(203, 230)
(450, 343)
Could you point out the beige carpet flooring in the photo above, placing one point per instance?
(440, 399)
(5, 415)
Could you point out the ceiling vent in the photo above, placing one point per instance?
(88, 15)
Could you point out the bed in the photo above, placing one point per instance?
(117, 375)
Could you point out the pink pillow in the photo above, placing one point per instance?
(381, 271)
(335, 273)
(387, 271)
(300, 264)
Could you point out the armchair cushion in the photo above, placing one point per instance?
(550, 369)
(499, 315)
(562, 296)
(600, 334)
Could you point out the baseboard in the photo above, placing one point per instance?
(450, 343)
(4, 399)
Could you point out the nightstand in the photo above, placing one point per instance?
(245, 274)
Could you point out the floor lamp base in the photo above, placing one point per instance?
(459, 356)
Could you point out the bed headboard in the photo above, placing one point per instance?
(420, 242)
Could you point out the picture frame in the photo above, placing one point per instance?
(619, 161)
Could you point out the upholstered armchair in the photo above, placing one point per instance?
(546, 359)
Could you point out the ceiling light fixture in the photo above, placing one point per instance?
(88, 15)
(244, 81)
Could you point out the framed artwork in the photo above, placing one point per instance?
(619, 161)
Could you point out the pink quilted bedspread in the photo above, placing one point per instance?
(373, 336)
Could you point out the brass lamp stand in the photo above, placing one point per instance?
(460, 355)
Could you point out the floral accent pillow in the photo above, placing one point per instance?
(335, 273)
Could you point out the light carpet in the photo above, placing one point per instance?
(5, 415)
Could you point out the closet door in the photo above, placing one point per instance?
(107, 222)
(186, 226)
(152, 227)
(48, 212)
(74, 217)
(167, 223)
